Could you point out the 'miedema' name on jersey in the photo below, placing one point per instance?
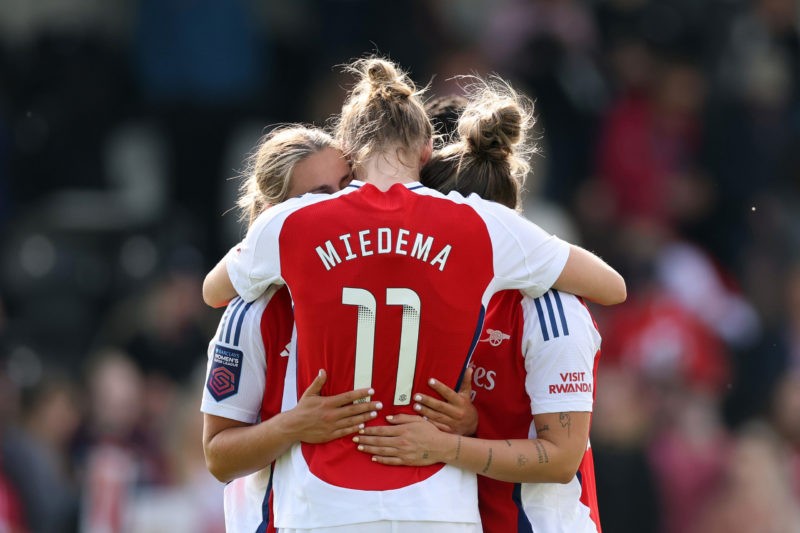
(383, 241)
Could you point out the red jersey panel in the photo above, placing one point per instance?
(387, 305)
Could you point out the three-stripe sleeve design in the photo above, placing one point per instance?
(552, 319)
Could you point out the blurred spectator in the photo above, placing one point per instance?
(201, 65)
(756, 495)
(622, 419)
(549, 46)
(688, 454)
(115, 455)
(653, 333)
(39, 454)
(649, 142)
(192, 501)
(165, 327)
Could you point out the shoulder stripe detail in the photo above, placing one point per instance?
(563, 316)
(548, 303)
(552, 331)
(415, 187)
(239, 324)
(541, 319)
(232, 319)
(225, 317)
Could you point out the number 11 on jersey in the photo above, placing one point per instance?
(365, 337)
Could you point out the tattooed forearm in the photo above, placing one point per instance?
(522, 460)
(541, 452)
(542, 429)
(458, 448)
(566, 422)
(508, 442)
(488, 462)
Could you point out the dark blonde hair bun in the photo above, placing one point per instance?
(386, 81)
(491, 154)
(495, 122)
(382, 110)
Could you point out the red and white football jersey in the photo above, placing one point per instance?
(245, 376)
(535, 356)
(389, 289)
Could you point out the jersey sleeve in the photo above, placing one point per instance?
(525, 256)
(560, 343)
(236, 369)
(254, 264)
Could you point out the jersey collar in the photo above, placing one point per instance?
(357, 184)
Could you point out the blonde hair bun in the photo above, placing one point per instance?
(495, 123)
(385, 80)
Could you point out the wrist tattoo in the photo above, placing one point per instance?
(425, 454)
(458, 448)
(488, 462)
(566, 421)
(541, 452)
(542, 429)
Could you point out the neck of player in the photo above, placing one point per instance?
(387, 168)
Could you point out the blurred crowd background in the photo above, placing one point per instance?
(670, 145)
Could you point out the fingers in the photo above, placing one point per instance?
(433, 408)
(383, 451)
(403, 419)
(316, 385)
(394, 461)
(466, 383)
(353, 396)
(446, 392)
(377, 432)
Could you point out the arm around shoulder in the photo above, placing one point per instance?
(587, 275)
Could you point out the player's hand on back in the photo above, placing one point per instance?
(318, 418)
(455, 412)
(410, 440)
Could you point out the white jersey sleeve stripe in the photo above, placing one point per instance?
(550, 314)
(232, 319)
(224, 322)
(560, 306)
(239, 324)
(542, 324)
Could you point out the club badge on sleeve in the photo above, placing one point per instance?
(226, 369)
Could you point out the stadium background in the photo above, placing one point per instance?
(670, 138)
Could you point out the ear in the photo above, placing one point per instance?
(426, 153)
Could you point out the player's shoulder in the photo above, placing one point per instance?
(278, 213)
(558, 315)
(240, 315)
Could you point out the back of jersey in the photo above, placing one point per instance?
(388, 292)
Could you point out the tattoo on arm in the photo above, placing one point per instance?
(508, 442)
(522, 460)
(488, 462)
(458, 448)
(542, 429)
(566, 422)
(542, 452)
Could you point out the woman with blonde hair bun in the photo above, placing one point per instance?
(534, 365)
(390, 281)
(244, 427)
